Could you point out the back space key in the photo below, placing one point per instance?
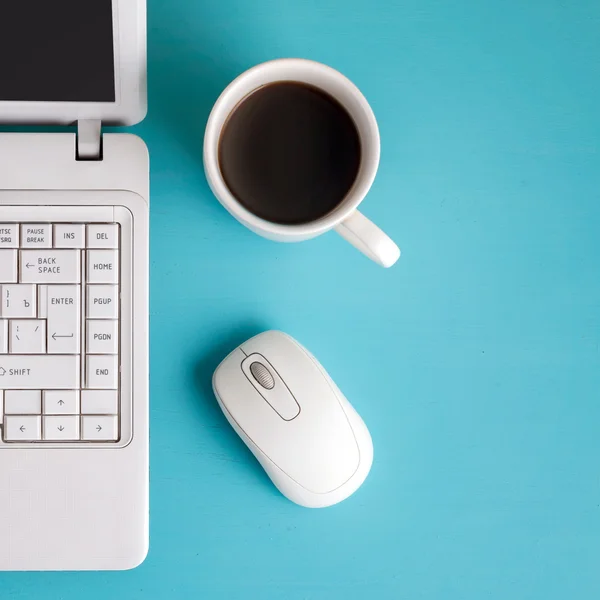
(39, 372)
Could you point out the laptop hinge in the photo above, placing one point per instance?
(89, 139)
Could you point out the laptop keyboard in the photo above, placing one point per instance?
(59, 332)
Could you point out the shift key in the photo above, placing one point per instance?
(39, 372)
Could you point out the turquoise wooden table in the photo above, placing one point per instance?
(474, 361)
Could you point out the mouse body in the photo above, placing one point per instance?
(306, 435)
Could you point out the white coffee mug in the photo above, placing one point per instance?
(345, 218)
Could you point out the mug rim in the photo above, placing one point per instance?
(216, 121)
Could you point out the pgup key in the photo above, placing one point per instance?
(50, 266)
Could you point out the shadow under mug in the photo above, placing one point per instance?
(345, 218)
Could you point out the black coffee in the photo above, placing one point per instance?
(289, 153)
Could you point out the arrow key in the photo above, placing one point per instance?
(99, 428)
(61, 428)
(61, 402)
(22, 428)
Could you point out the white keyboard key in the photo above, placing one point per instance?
(41, 322)
(50, 266)
(27, 336)
(69, 236)
(99, 428)
(103, 236)
(3, 336)
(22, 429)
(102, 337)
(60, 402)
(36, 236)
(102, 266)
(61, 305)
(39, 372)
(102, 302)
(99, 402)
(17, 302)
(9, 235)
(102, 372)
(8, 266)
(23, 402)
(59, 428)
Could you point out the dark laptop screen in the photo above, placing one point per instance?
(56, 51)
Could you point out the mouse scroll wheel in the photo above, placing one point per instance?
(262, 375)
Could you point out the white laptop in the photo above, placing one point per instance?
(73, 287)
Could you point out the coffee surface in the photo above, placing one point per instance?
(289, 153)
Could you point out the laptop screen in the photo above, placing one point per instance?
(56, 51)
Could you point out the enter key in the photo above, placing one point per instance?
(61, 305)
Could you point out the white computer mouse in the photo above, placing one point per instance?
(311, 442)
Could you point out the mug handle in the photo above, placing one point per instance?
(369, 239)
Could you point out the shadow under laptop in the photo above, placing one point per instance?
(227, 444)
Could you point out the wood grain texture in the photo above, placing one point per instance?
(474, 361)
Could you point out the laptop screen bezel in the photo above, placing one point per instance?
(130, 106)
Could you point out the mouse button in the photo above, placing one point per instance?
(271, 340)
(227, 383)
(277, 347)
(327, 452)
(329, 456)
(278, 396)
